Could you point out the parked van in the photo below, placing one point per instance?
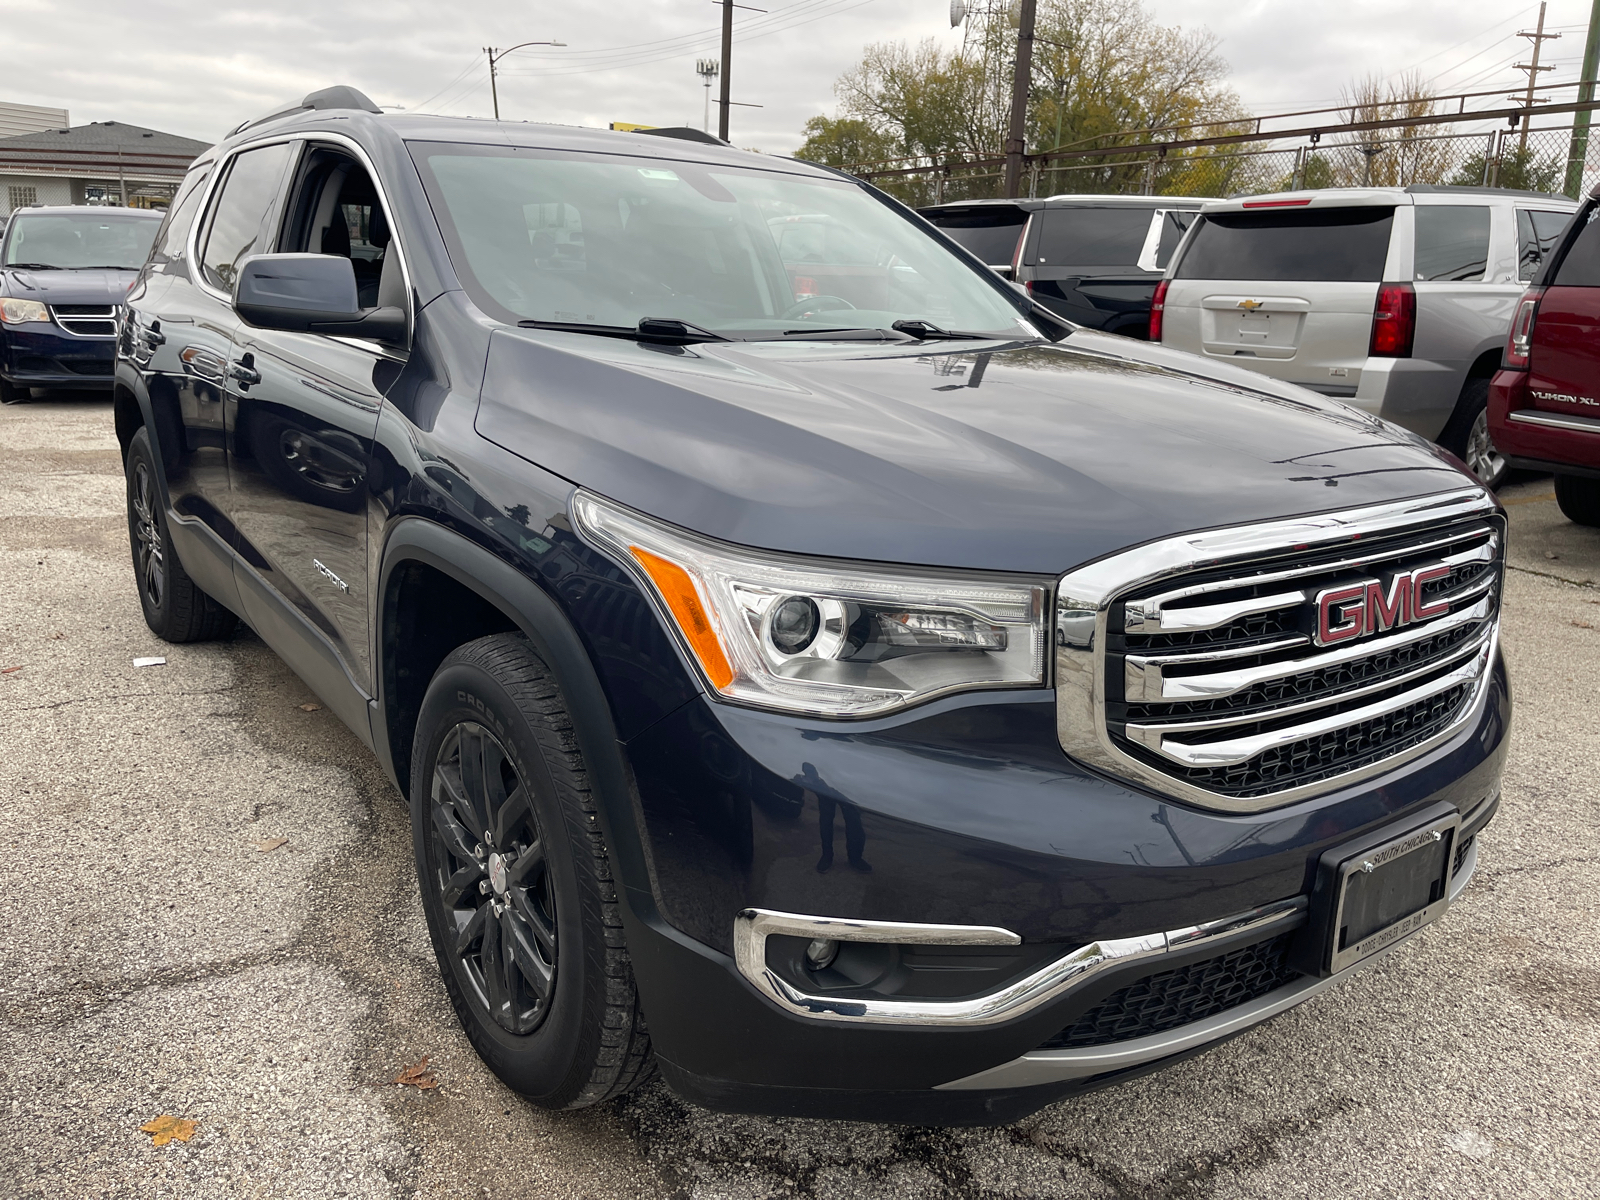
(1397, 300)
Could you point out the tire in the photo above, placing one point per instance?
(1467, 435)
(558, 1018)
(1579, 499)
(174, 606)
(10, 393)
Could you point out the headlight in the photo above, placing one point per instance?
(833, 639)
(18, 312)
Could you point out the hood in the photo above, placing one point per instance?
(98, 286)
(1018, 457)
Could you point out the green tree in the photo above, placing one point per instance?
(839, 141)
(1519, 168)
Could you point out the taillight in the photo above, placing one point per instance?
(1394, 321)
(1158, 305)
(1520, 344)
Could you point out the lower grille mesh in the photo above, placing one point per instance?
(1169, 999)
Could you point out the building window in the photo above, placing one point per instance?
(21, 197)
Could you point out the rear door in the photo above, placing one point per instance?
(1084, 261)
(1285, 291)
(1564, 368)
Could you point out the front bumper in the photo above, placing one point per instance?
(43, 355)
(1411, 392)
(966, 813)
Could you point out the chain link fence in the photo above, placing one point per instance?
(1536, 158)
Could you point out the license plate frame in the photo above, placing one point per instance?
(1377, 890)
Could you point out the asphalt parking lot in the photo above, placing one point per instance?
(168, 955)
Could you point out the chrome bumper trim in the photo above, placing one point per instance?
(1049, 983)
(1055, 1066)
(1556, 420)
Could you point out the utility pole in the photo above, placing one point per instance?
(1578, 155)
(727, 64)
(495, 56)
(1538, 37)
(707, 69)
(1022, 81)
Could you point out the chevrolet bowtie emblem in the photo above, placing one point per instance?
(1249, 305)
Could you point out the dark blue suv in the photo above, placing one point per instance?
(64, 273)
(815, 672)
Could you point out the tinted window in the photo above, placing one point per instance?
(991, 234)
(1092, 237)
(86, 237)
(1173, 226)
(174, 235)
(1580, 265)
(1537, 235)
(1452, 241)
(1310, 244)
(247, 193)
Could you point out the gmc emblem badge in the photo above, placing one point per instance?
(1358, 609)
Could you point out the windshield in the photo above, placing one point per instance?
(91, 238)
(590, 239)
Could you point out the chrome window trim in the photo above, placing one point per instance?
(1046, 985)
(219, 174)
(1053, 1066)
(1084, 598)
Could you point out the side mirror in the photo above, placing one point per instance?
(310, 293)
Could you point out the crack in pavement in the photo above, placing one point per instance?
(1587, 584)
(124, 696)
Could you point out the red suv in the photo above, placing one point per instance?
(1544, 404)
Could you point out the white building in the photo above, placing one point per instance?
(17, 119)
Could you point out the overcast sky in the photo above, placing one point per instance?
(198, 68)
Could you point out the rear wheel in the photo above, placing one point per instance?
(10, 393)
(174, 606)
(1467, 435)
(1579, 499)
(516, 882)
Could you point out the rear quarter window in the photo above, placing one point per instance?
(1452, 242)
(1092, 237)
(990, 234)
(1312, 245)
(1580, 265)
(1538, 231)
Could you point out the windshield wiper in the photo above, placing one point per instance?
(926, 330)
(666, 330)
(35, 267)
(102, 267)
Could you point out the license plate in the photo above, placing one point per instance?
(1385, 892)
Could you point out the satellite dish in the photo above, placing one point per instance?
(958, 12)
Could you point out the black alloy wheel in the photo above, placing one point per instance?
(517, 885)
(489, 865)
(175, 607)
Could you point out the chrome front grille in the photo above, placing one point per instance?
(1249, 667)
(87, 320)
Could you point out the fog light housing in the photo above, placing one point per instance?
(821, 952)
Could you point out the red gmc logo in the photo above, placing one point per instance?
(1359, 609)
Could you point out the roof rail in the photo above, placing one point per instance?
(685, 133)
(339, 96)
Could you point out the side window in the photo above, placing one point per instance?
(1580, 265)
(1538, 232)
(174, 234)
(1452, 242)
(335, 210)
(236, 219)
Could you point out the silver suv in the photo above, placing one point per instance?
(1396, 300)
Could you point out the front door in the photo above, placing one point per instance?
(303, 412)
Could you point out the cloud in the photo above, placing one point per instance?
(197, 69)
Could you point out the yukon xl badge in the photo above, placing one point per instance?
(1356, 610)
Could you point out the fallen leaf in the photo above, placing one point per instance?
(418, 1076)
(58, 636)
(9, 670)
(310, 707)
(271, 844)
(1551, 554)
(166, 1129)
(1583, 625)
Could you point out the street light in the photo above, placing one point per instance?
(495, 56)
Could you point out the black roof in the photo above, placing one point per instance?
(106, 135)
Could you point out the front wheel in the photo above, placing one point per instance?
(516, 882)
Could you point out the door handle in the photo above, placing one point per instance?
(243, 373)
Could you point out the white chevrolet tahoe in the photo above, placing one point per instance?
(1396, 300)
